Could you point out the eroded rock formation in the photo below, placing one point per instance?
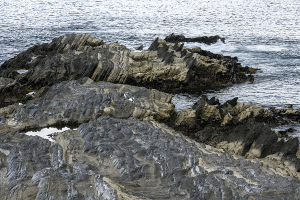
(128, 159)
(206, 40)
(78, 101)
(128, 141)
(164, 66)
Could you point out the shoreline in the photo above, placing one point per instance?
(116, 95)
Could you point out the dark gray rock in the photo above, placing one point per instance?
(134, 159)
(289, 113)
(206, 40)
(75, 102)
(2, 118)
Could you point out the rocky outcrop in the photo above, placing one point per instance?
(289, 113)
(206, 40)
(164, 66)
(223, 116)
(78, 101)
(253, 140)
(11, 91)
(238, 128)
(112, 158)
(124, 145)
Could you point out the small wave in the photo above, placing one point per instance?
(218, 48)
(266, 48)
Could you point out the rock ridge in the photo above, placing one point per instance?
(164, 66)
(128, 141)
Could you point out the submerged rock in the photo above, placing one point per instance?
(128, 159)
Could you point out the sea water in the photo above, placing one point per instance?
(263, 34)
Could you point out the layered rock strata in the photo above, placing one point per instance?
(164, 66)
(223, 116)
(241, 129)
(289, 112)
(112, 158)
(206, 40)
(77, 101)
(120, 148)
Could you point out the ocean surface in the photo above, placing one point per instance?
(263, 34)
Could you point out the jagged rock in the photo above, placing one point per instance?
(140, 47)
(165, 66)
(285, 132)
(75, 102)
(231, 113)
(288, 112)
(121, 157)
(235, 128)
(252, 140)
(132, 159)
(181, 38)
(11, 91)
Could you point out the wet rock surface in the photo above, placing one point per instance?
(241, 129)
(164, 66)
(223, 116)
(128, 141)
(78, 101)
(206, 40)
(112, 158)
(289, 113)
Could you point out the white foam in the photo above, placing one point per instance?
(30, 93)
(22, 71)
(265, 48)
(44, 133)
(218, 47)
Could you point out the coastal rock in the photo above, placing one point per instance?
(231, 113)
(289, 113)
(254, 140)
(122, 147)
(77, 101)
(11, 91)
(181, 38)
(164, 66)
(238, 128)
(112, 158)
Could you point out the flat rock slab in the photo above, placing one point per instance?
(112, 158)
